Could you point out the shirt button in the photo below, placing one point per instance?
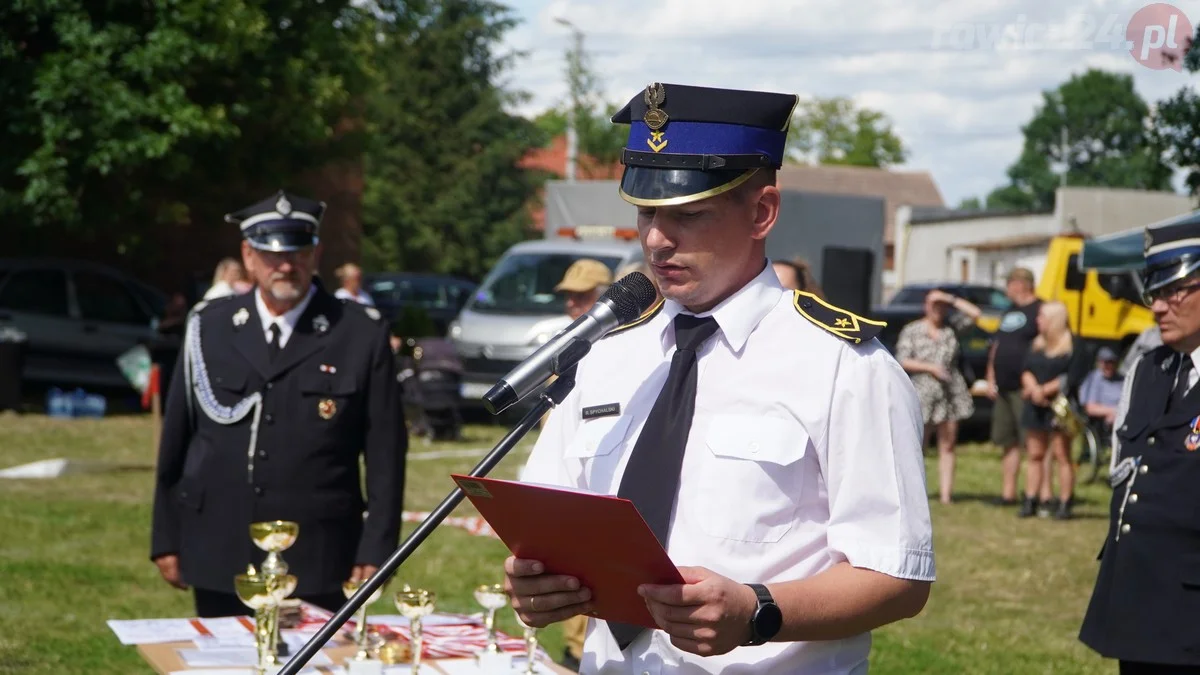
(262, 454)
(1144, 469)
(1125, 528)
(258, 491)
(269, 419)
(754, 447)
(269, 385)
(1151, 441)
(1133, 498)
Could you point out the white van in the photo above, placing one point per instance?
(515, 309)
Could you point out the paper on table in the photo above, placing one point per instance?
(472, 667)
(228, 626)
(293, 640)
(234, 656)
(152, 631)
(431, 620)
(330, 670)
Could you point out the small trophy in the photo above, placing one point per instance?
(275, 537)
(263, 593)
(415, 604)
(492, 597)
(349, 588)
(531, 646)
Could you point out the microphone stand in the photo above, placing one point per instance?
(553, 395)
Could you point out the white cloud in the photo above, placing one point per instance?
(958, 105)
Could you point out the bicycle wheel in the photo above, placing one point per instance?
(1091, 443)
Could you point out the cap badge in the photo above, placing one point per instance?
(655, 117)
(283, 206)
(240, 317)
(372, 312)
(327, 408)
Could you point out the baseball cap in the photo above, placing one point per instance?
(1106, 354)
(585, 275)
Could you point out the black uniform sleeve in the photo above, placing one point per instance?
(385, 450)
(172, 451)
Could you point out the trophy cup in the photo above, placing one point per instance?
(263, 594)
(363, 656)
(531, 646)
(274, 537)
(415, 604)
(492, 597)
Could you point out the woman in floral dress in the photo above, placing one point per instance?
(928, 350)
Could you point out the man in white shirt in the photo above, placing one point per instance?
(772, 445)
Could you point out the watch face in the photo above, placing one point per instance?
(767, 621)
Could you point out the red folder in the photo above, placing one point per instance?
(599, 539)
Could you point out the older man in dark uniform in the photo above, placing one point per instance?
(1146, 603)
(276, 395)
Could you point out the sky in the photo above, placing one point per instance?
(957, 79)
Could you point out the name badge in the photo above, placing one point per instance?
(606, 410)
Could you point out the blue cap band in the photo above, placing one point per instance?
(711, 138)
(1163, 257)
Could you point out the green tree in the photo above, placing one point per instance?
(598, 138)
(834, 131)
(1093, 130)
(970, 204)
(1177, 122)
(443, 191)
(125, 116)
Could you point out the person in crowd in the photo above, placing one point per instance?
(1006, 359)
(1145, 597)
(349, 276)
(800, 510)
(276, 397)
(928, 350)
(229, 278)
(583, 283)
(1101, 390)
(796, 275)
(1042, 380)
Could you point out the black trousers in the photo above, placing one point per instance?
(216, 603)
(1136, 668)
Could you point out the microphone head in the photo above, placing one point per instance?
(630, 296)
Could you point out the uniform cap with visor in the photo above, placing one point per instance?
(1172, 252)
(282, 222)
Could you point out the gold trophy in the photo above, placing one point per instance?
(531, 646)
(275, 537)
(415, 604)
(263, 593)
(349, 588)
(492, 597)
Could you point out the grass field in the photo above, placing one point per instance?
(1009, 597)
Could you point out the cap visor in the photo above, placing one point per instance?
(1162, 275)
(282, 241)
(649, 186)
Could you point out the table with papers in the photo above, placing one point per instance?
(225, 646)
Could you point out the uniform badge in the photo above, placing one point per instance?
(655, 117)
(372, 312)
(1193, 440)
(283, 206)
(326, 368)
(241, 316)
(320, 323)
(327, 408)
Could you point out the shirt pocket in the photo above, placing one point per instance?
(592, 450)
(750, 477)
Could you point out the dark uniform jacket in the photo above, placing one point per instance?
(329, 396)
(1146, 601)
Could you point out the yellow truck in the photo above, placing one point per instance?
(1098, 285)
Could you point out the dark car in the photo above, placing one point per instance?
(437, 297)
(908, 305)
(78, 317)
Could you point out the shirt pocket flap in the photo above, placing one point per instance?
(757, 438)
(332, 385)
(598, 437)
(233, 381)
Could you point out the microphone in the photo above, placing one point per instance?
(623, 302)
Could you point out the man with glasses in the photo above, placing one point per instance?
(1147, 594)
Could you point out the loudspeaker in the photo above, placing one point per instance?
(846, 278)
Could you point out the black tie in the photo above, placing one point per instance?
(273, 341)
(1181, 383)
(651, 477)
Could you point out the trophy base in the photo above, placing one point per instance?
(364, 667)
(494, 662)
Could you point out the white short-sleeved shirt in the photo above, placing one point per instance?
(805, 451)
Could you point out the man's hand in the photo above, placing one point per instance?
(360, 573)
(708, 615)
(542, 599)
(168, 567)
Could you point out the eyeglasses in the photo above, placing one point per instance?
(1172, 295)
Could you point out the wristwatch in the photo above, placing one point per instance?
(767, 619)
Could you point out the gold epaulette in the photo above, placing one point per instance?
(646, 316)
(846, 325)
